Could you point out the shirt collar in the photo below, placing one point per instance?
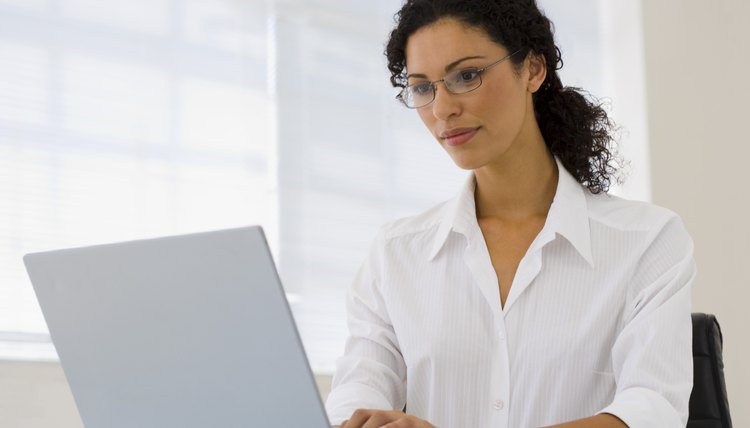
(568, 215)
(459, 213)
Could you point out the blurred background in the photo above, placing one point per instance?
(125, 120)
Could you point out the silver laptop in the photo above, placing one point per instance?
(184, 331)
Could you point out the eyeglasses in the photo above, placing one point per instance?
(456, 82)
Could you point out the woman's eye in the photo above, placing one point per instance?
(467, 75)
(421, 89)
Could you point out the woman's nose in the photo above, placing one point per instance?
(445, 103)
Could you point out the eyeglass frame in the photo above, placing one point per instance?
(434, 83)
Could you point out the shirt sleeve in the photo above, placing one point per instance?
(652, 355)
(371, 374)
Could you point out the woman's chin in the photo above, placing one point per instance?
(467, 163)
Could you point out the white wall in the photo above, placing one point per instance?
(697, 62)
(36, 395)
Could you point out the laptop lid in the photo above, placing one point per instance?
(183, 331)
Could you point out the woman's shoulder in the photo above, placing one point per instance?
(614, 211)
(651, 234)
(424, 222)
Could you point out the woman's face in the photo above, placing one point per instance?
(484, 126)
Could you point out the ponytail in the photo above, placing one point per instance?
(577, 131)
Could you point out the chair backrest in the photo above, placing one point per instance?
(709, 405)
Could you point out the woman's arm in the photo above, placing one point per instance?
(372, 372)
(384, 419)
(603, 420)
(652, 354)
(395, 419)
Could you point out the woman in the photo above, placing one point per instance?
(533, 298)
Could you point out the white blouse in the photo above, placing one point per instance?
(597, 319)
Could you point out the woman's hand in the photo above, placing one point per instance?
(364, 418)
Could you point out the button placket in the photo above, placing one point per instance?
(498, 405)
(501, 375)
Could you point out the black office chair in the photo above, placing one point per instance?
(709, 405)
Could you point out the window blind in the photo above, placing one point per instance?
(124, 120)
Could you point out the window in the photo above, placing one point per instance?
(123, 120)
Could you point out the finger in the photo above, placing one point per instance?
(358, 418)
(400, 423)
(408, 422)
(378, 419)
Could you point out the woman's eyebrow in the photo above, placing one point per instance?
(448, 67)
(453, 65)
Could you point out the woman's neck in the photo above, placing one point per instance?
(519, 187)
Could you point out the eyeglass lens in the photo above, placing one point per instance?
(457, 82)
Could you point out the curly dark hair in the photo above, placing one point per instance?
(574, 125)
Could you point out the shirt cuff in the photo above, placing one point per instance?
(347, 398)
(644, 408)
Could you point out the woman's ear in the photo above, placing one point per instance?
(537, 66)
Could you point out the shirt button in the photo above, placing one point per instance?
(499, 405)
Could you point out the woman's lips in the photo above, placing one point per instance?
(458, 136)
